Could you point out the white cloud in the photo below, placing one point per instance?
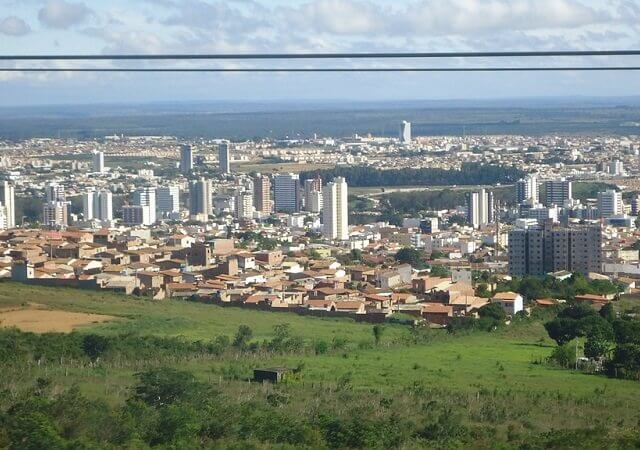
(63, 14)
(14, 26)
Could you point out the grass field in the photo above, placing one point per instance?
(493, 379)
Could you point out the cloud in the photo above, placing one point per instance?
(14, 26)
(63, 14)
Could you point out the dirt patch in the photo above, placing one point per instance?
(37, 320)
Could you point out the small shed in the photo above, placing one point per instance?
(273, 375)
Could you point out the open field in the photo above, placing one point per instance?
(179, 318)
(35, 319)
(481, 381)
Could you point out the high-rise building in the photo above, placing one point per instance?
(335, 211)
(8, 199)
(615, 167)
(146, 196)
(168, 199)
(635, 205)
(610, 203)
(87, 205)
(557, 192)
(136, 215)
(98, 162)
(103, 205)
(262, 194)
(544, 249)
(287, 192)
(313, 194)
(480, 208)
(55, 193)
(527, 189)
(186, 160)
(244, 205)
(405, 132)
(224, 160)
(200, 199)
(54, 214)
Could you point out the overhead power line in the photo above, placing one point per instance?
(330, 69)
(377, 55)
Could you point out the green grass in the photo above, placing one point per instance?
(490, 372)
(277, 167)
(194, 321)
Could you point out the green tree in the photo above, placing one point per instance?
(95, 345)
(378, 331)
(242, 337)
(164, 386)
(34, 431)
(411, 256)
(562, 330)
(493, 311)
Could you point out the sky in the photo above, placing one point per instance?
(267, 26)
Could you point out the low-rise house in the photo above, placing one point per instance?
(437, 313)
(511, 302)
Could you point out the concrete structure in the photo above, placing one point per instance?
(313, 195)
(54, 192)
(186, 160)
(224, 159)
(8, 199)
(98, 162)
(200, 199)
(610, 203)
(528, 189)
(335, 212)
(262, 194)
(511, 302)
(287, 192)
(405, 132)
(136, 215)
(103, 205)
(544, 249)
(55, 215)
(146, 196)
(168, 199)
(244, 205)
(480, 207)
(557, 192)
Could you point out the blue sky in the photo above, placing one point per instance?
(210, 26)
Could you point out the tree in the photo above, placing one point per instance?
(608, 313)
(378, 330)
(95, 345)
(440, 271)
(34, 431)
(411, 256)
(627, 331)
(596, 347)
(493, 311)
(242, 337)
(482, 290)
(562, 330)
(164, 386)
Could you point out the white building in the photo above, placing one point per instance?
(98, 162)
(168, 199)
(335, 212)
(103, 205)
(8, 197)
(528, 189)
(479, 208)
(55, 193)
(54, 215)
(146, 196)
(244, 205)
(405, 132)
(610, 203)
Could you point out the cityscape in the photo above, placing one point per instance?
(319, 224)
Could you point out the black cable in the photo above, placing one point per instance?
(331, 69)
(570, 53)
